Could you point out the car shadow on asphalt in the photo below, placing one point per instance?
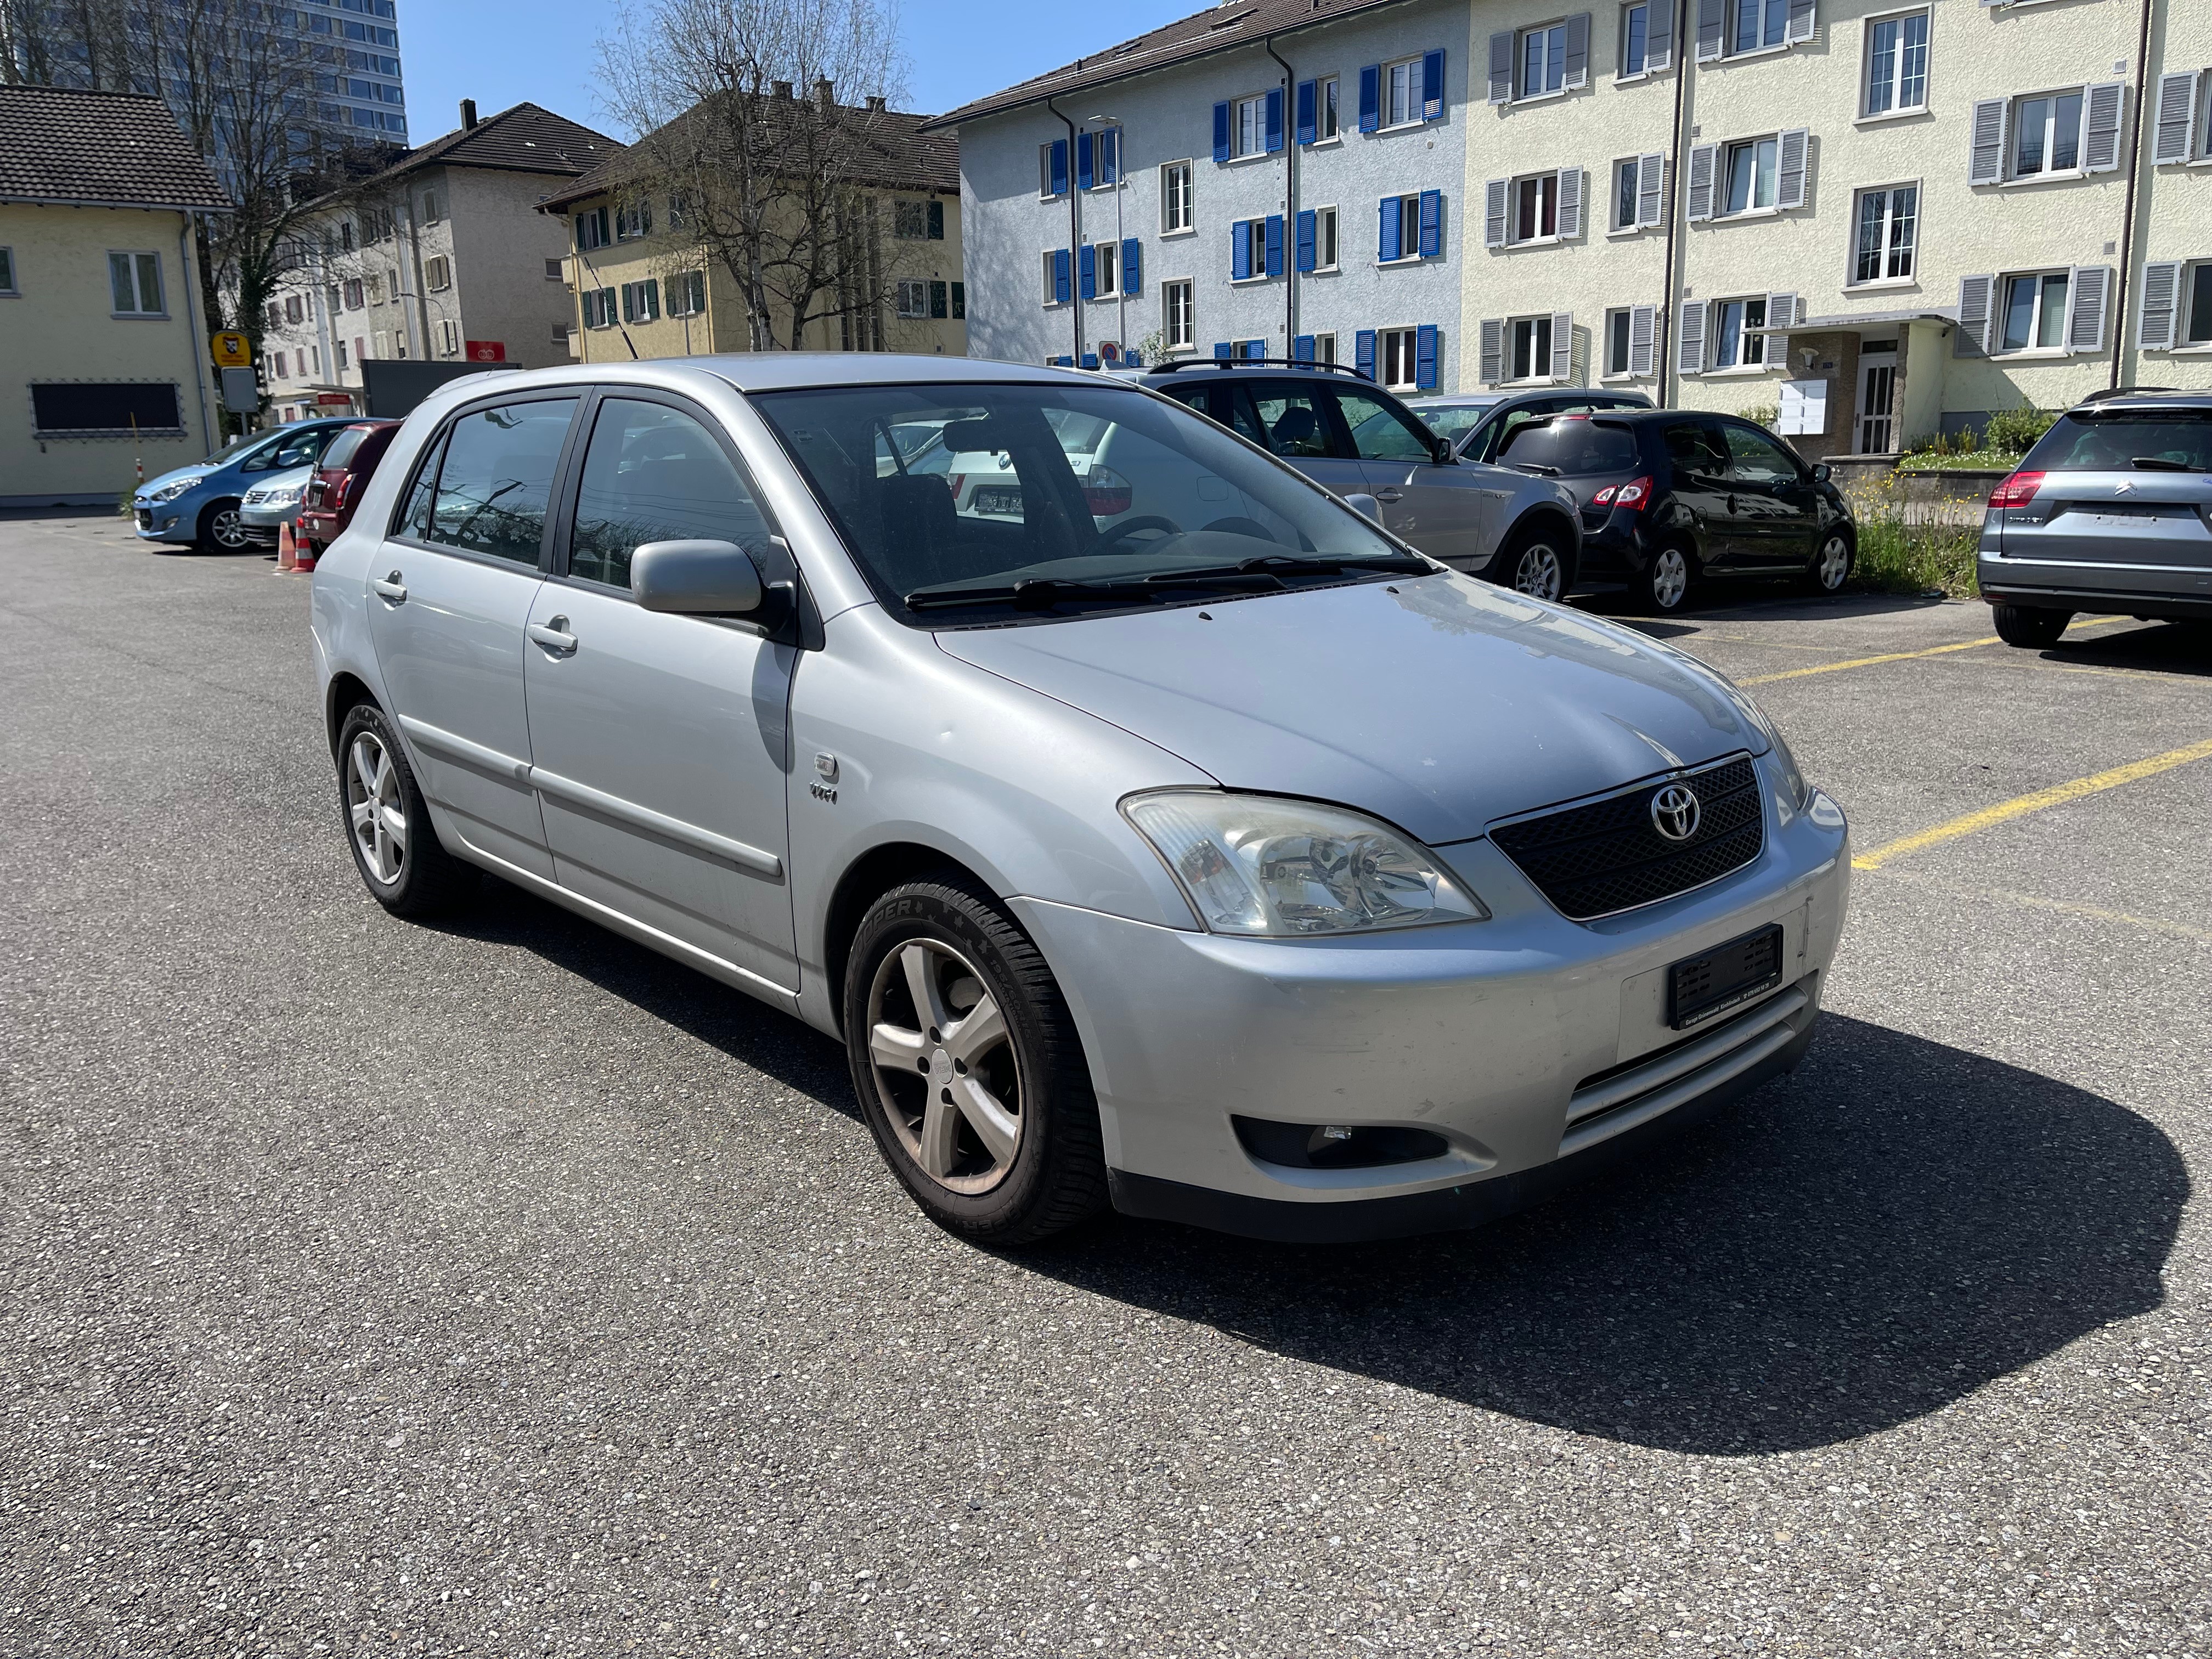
(2174, 647)
(1892, 1227)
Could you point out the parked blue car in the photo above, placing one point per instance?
(199, 504)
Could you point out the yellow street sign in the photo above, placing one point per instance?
(231, 351)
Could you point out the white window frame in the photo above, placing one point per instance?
(596, 218)
(1731, 26)
(2001, 307)
(1511, 349)
(1897, 110)
(2192, 270)
(431, 215)
(1328, 116)
(1105, 270)
(910, 298)
(1051, 286)
(1175, 174)
(1386, 81)
(1751, 338)
(1548, 195)
(634, 223)
(449, 338)
(1405, 344)
(1254, 104)
(136, 272)
(437, 273)
(680, 283)
(1336, 238)
(1045, 191)
(1622, 73)
(1626, 371)
(1911, 277)
(1409, 247)
(8, 289)
(1325, 347)
(1521, 94)
(2045, 174)
(1255, 247)
(1722, 185)
(281, 374)
(1634, 164)
(1179, 294)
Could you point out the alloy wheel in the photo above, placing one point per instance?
(228, 530)
(1834, 564)
(1670, 577)
(377, 812)
(944, 1066)
(1538, 572)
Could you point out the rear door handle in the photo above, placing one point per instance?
(390, 588)
(554, 636)
(1387, 494)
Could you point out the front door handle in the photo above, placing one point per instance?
(390, 588)
(1387, 495)
(554, 635)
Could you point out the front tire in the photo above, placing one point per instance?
(395, 846)
(1535, 562)
(1831, 565)
(2030, 627)
(968, 1067)
(1662, 586)
(221, 530)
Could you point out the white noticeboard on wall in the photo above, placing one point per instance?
(1804, 409)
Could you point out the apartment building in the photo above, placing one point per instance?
(647, 283)
(441, 256)
(1882, 220)
(103, 336)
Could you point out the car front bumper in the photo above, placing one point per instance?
(261, 524)
(1534, 1045)
(165, 521)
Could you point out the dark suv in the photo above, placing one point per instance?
(1669, 496)
(2110, 512)
(1357, 441)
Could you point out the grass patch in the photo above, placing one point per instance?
(1971, 460)
(1897, 557)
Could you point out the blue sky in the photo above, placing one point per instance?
(503, 52)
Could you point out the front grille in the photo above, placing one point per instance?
(145, 519)
(1593, 860)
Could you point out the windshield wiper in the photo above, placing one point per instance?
(1035, 593)
(1404, 564)
(2160, 463)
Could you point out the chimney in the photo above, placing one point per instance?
(780, 88)
(468, 111)
(876, 103)
(822, 94)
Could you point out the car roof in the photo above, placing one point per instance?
(782, 371)
(2146, 396)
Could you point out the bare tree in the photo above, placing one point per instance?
(775, 179)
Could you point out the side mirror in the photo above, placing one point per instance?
(1442, 447)
(1820, 472)
(695, 579)
(1360, 501)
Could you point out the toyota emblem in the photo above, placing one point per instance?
(1675, 811)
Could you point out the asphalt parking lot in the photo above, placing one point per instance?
(501, 1288)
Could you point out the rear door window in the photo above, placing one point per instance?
(1572, 449)
(2180, 440)
(653, 474)
(497, 477)
(342, 448)
(1380, 431)
(1292, 421)
(1757, 458)
(1694, 447)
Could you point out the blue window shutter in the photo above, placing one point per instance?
(1432, 85)
(1060, 166)
(1309, 121)
(1110, 156)
(1083, 170)
(1370, 97)
(1274, 245)
(1302, 349)
(1063, 362)
(1387, 248)
(1306, 240)
(1363, 352)
(1060, 285)
(1240, 251)
(1221, 349)
(1275, 120)
(1221, 130)
(1086, 260)
(1425, 357)
(1433, 223)
(1133, 278)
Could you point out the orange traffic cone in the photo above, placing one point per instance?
(288, 555)
(304, 553)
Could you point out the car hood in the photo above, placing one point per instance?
(1440, 703)
(292, 478)
(203, 469)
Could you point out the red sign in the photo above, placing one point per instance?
(487, 351)
(339, 399)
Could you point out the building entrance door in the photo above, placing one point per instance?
(1877, 395)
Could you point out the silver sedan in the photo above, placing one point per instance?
(1154, 830)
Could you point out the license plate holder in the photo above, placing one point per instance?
(1703, 988)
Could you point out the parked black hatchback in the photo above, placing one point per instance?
(1669, 498)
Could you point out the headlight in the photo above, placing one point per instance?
(1800, 792)
(169, 492)
(1256, 865)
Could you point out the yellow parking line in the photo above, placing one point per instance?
(2056, 795)
(2065, 906)
(1901, 656)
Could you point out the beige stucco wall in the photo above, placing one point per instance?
(60, 327)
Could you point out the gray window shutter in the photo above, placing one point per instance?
(1493, 212)
(1801, 22)
(1781, 311)
(1501, 67)
(2177, 118)
(1578, 31)
(1704, 162)
(1659, 35)
(1650, 190)
(1573, 186)
(1985, 155)
(1689, 338)
(1493, 350)
(1977, 299)
(1563, 345)
(2162, 293)
(1712, 23)
(2088, 297)
(1790, 170)
(1642, 330)
(2100, 146)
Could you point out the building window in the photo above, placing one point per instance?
(1750, 175)
(1323, 349)
(1403, 90)
(354, 290)
(959, 301)
(2196, 316)
(333, 299)
(1054, 277)
(1325, 120)
(1737, 342)
(2046, 134)
(344, 361)
(918, 222)
(641, 301)
(1758, 24)
(559, 334)
(599, 307)
(1179, 315)
(1616, 343)
(1541, 61)
(634, 222)
(383, 344)
(1051, 168)
(1104, 161)
(553, 271)
(1535, 207)
(591, 229)
(432, 213)
(1889, 226)
(449, 338)
(1248, 250)
(912, 299)
(1896, 64)
(275, 315)
(1175, 198)
(294, 311)
(1397, 355)
(8, 270)
(375, 289)
(281, 374)
(1324, 234)
(1106, 280)
(314, 361)
(1532, 347)
(687, 293)
(1627, 192)
(134, 280)
(1248, 126)
(1635, 39)
(2035, 315)
(438, 272)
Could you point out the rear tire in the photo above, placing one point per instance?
(1662, 586)
(1536, 560)
(405, 867)
(2030, 627)
(968, 1067)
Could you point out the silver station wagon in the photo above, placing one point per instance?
(1153, 830)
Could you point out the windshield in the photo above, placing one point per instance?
(1082, 497)
(1454, 419)
(341, 452)
(238, 447)
(1571, 447)
(2139, 441)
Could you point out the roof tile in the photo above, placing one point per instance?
(60, 145)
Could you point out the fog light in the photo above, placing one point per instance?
(1335, 1145)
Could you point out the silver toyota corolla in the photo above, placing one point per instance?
(1154, 829)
